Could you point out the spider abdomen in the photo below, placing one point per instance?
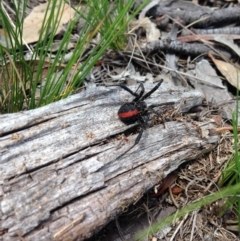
(128, 113)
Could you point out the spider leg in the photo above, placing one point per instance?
(161, 104)
(141, 92)
(150, 107)
(139, 136)
(143, 127)
(128, 90)
(152, 90)
(159, 115)
(137, 96)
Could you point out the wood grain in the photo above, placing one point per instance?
(60, 178)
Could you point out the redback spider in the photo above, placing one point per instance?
(137, 110)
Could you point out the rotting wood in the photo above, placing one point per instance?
(59, 175)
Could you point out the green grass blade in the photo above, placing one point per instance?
(229, 191)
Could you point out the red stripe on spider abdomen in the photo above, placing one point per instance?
(128, 113)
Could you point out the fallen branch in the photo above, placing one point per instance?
(59, 175)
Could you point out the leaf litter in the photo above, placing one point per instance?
(193, 180)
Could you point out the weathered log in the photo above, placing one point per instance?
(59, 172)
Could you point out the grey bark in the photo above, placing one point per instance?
(60, 178)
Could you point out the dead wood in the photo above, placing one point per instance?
(192, 49)
(214, 31)
(181, 13)
(59, 175)
(199, 16)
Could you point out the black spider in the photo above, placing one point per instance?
(137, 110)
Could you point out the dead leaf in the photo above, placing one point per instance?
(33, 22)
(230, 72)
(152, 33)
(228, 42)
(217, 119)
